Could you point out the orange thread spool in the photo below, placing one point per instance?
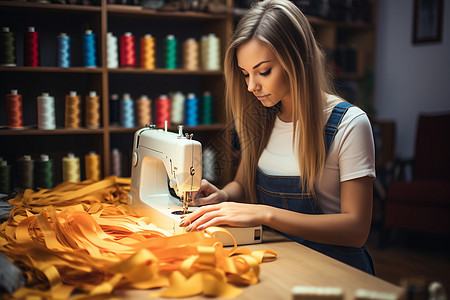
(92, 110)
(92, 166)
(143, 111)
(14, 110)
(148, 52)
(127, 50)
(162, 114)
(73, 111)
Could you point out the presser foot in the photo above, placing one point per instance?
(185, 199)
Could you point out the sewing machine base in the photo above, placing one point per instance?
(165, 213)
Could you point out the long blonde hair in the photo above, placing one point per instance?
(282, 27)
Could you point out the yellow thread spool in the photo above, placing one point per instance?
(92, 110)
(190, 55)
(73, 111)
(71, 168)
(92, 166)
(148, 52)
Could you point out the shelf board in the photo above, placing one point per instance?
(58, 131)
(211, 127)
(131, 70)
(116, 9)
(50, 6)
(51, 69)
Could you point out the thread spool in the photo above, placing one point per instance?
(177, 108)
(7, 48)
(162, 113)
(148, 52)
(5, 177)
(63, 50)
(89, 49)
(170, 53)
(192, 110)
(112, 55)
(127, 50)
(92, 166)
(210, 52)
(114, 110)
(25, 167)
(209, 164)
(71, 168)
(143, 111)
(116, 161)
(127, 111)
(73, 111)
(14, 110)
(207, 108)
(92, 110)
(44, 172)
(31, 48)
(46, 112)
(191, 55)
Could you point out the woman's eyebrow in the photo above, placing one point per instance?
(257, 65)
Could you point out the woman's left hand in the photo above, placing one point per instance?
(226, 213)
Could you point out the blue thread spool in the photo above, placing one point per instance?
(192, 110)
(89, 51)
(63, 50)
(127, 111)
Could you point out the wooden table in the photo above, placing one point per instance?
(297, 265)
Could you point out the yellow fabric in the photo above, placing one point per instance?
(82, 240)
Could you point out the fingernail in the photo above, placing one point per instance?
(181, 223)
(189, 228)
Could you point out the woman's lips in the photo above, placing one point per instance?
(261, 98)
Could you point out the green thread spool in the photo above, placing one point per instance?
(5, 178)
(7, 48)
(207, 115)
(170, 53)
(44, 173)
(26, 170)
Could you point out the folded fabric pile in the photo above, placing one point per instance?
(82, 240)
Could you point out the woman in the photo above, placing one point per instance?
(307, 156)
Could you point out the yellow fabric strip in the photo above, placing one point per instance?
(82, 240)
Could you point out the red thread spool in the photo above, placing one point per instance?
(127, 50)
(14, 111)
(31, 49)
(162, 114)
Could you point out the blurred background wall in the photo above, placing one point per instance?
(410, 78)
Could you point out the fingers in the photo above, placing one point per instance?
(190, 218)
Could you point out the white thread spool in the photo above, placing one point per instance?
(112, 52)
(46, 112)
(177, 108)
(210, 52)
(209, 164)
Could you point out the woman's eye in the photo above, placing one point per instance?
(266, 72)
(245, 75)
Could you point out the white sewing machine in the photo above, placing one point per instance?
(162, 159)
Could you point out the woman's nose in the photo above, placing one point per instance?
(252, 85)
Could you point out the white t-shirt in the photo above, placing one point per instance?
(351, 155)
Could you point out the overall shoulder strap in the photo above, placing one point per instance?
(331, 128)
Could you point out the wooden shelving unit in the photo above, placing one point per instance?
(52, 19)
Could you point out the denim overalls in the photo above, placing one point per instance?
(285, 192)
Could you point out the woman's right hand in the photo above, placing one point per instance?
(208, 194)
